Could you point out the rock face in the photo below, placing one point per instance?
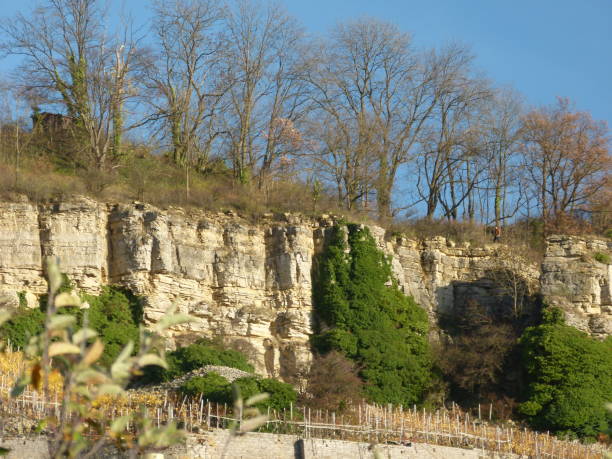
(250, 283)
(574, 280)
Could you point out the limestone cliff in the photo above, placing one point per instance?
(249, 282)
(573, 279)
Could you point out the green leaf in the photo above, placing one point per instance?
(120, 370)
(65, 299)
(120, 424)
(83, 334)
(171, 319)
(41, 425)
(110, 389)
(54, 276)
(89, 376)
(4, 451)
(152, 359)
(60, 322)
(126, 351)
(5, 316)
(255, 399)
(253, 423)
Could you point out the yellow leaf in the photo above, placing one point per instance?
(63, 348)
(93, 353)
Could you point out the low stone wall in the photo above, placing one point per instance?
(211, 445)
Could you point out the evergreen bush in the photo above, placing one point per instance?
(115, 314)
(212, 387)
(217, 389)
(362, 313)
(569, 377)
(24, 324)
(185, 359)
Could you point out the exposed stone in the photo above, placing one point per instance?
(231, 374)
(250, 284)
(575, 281)
(9, 299)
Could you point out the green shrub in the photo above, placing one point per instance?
(26, 323)
(115, 314)
(282, 395)
(185, 359)
(362, 313)
(602, 258)
(569, 377)
(217, 389)
(204, 352)
(212, 387)
(23, 303)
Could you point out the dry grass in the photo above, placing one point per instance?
(12, 366)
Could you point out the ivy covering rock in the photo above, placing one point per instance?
(362, 313)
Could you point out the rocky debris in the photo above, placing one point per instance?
(231, 374)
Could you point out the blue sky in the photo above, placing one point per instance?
(543, 48)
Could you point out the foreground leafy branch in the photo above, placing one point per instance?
(79, 430)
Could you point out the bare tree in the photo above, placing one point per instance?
(378, 93)
(500, 134)
(337, 158)
(266, 97)
(185, 78)
(567, 156)
(70, 61)
(446, 140)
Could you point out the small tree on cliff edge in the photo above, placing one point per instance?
(363, 314)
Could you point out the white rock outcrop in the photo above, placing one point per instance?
(574, 280)
(250, 282)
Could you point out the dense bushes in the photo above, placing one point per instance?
(115, 314)
(25, 323)
(196, 355)
(569, 379)
(217, 389)
(212, 387)
(362, 313)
